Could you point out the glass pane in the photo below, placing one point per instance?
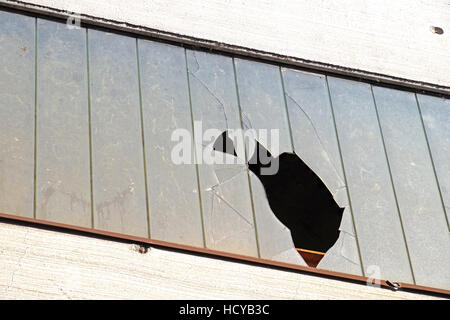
(227, 208)
(175, 214)
(436, 118)
(63, 188)
(262, 101)
(17, 108)
(415, 185)
(117, 153)
(314, 138)
(374, 206)
(263, 107)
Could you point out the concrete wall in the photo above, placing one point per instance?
(388, 37)
(42, 264)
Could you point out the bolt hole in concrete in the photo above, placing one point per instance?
(437, 30)
(142, 249)
(297, 197)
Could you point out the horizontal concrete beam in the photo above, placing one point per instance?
(43, 264)
(391, 42)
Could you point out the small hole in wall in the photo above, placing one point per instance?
(298, 198)
(141, 248)
(437, 30)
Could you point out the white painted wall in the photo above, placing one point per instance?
(382, 36)
(43, 264)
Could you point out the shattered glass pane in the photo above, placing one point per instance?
(227, 207)
(275, 241)
(174, 202)
(262, 101)
(262, 104)
(380, 235)
(315, 142)
(344, 255)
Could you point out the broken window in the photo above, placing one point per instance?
(86, 142)
(298, 198)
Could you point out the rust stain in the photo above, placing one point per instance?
(106, 208)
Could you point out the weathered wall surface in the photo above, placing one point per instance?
(387, 37)
(43, 264)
